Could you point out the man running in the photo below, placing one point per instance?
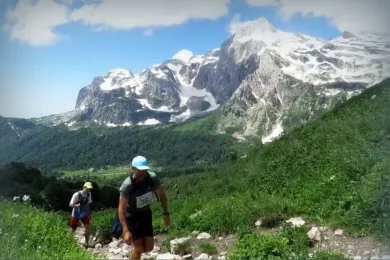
(135, 215)
(80, 203)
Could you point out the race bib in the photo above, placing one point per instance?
(144, 200)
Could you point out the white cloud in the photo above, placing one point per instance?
(128, 14)
(346, 15)
(148, 32)
(236, 21)
(34, 21)
(183, 55)
(67, 2)
(262, 2)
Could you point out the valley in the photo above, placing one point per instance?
(331, 172)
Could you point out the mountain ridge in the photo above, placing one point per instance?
(255, 77)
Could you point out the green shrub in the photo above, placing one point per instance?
(208, 248)
(326, 255)
(101, 224)
(297, 238)
(261, 246)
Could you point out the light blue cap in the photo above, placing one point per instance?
(140, 163)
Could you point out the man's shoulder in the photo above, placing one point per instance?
(126, 182)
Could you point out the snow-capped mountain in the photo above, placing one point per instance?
(165, 92)
(297, 77)
(265, 81)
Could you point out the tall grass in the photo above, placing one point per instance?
(30, 233)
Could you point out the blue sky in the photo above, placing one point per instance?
(45, 60)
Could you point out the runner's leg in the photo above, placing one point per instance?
(86, 229)
(134, 224)
(147, 228)
(138, 249)
(73, 223)
(148, 243)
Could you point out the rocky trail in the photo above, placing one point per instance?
(201, 245)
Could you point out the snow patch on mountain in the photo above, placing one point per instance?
(276, 133)
(150, 121)
(117, 78)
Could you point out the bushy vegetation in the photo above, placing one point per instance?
(171, 146)
(335, 169)
(27, 232)
(17, 179)
(261, 246)
(290, 243)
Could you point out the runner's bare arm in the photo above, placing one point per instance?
(124, 192)
(122, 213)
(72, 202)
(163, 197)
(89, 204)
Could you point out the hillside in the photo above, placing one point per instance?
(334, 170)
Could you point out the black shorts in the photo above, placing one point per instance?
(140, 224)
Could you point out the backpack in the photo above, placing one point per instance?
(83, 200)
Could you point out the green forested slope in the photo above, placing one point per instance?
(336, 169)
(60, 148)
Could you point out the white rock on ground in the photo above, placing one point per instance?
(151, 255)
(168, 256)
(203, 235)
(203, 256)
(125, 252)
(339, 232)
(296, 222)
(323, 229)
(114, 244)
(175, 243)
(314, 234)
(258, 223)
(115, 251)
(188, 257)
(195, 233)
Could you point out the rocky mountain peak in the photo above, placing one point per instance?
(348, 35)
(120, 72)
(254, 28)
